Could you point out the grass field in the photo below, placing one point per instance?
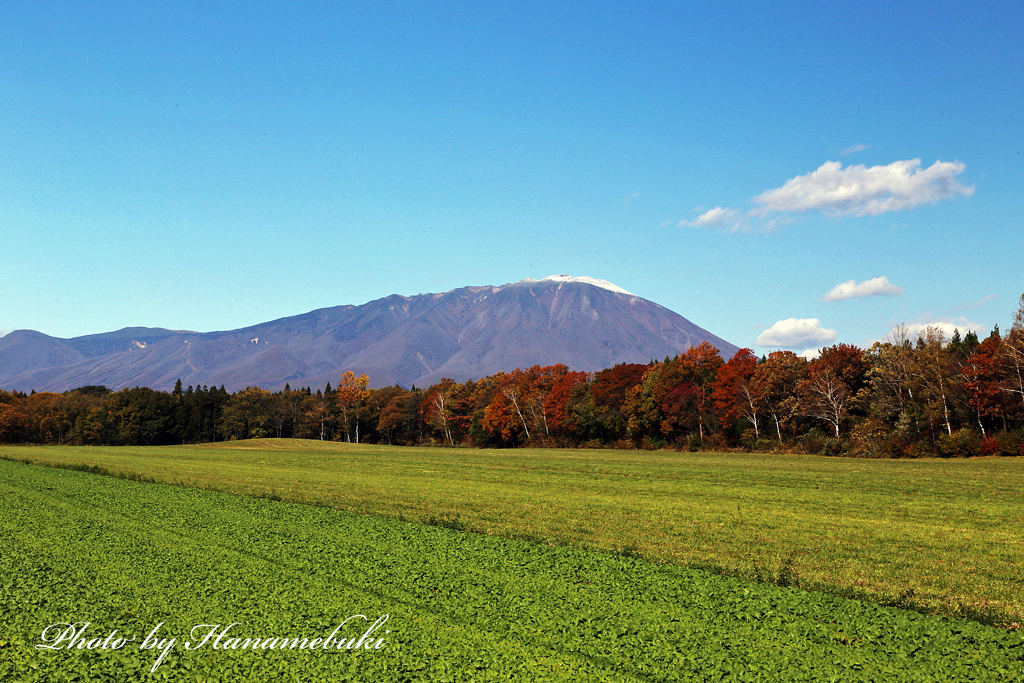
(131, 556)
(941, 535)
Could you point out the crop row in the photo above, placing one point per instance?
(129, 556)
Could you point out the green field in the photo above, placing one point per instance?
(946, 536)
(75, 547)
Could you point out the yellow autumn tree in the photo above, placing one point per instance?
(351, 393)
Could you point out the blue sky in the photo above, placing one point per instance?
(208, 166)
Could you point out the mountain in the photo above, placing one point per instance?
(585, 323)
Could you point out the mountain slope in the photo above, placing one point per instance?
(585, 323)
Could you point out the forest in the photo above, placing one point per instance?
(907, 396)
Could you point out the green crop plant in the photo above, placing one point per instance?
(940, 536)
(131, 556)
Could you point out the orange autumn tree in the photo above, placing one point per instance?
(541, 382)
(504, 416)
(14, 422)
(349, 395)
(518, 409)
(699, 367)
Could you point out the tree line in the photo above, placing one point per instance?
(906, 396)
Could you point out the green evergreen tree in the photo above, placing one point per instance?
(956, 344)
(971, 344)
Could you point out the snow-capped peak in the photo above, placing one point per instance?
(603, 284)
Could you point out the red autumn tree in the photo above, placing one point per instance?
(556, 405)
(847, 363)
(734, 397)
(673, 396)
(983, 380)
(610, 386)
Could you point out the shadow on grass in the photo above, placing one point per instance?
(786, 575)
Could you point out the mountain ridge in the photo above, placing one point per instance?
(467, 332)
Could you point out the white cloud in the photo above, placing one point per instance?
(793, 333)
(946, 327)
(716, 218)
(862, 191)
(855, 148)
(879, 286)
(810, 354)
(630, 198)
